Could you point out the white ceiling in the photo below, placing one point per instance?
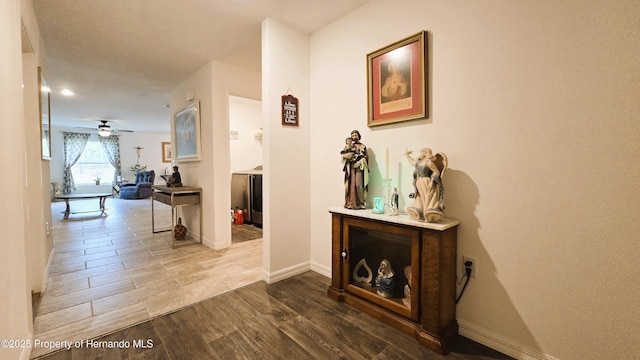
(122, 58)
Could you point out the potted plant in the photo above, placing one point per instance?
(135, 168)
(56, 188)
(97, 176)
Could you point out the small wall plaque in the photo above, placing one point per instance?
(290, 110)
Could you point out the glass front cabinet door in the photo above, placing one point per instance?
(382, 265)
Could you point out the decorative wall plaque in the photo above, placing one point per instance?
(290, 110)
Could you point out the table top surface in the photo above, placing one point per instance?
(402, 219)
(83, 196)
(176, 190)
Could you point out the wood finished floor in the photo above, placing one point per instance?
(112, 281)
(291, 319)
(111, 272)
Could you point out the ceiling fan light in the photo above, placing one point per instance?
(104, 130)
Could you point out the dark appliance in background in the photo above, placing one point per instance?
(256, 199)
(246, 194)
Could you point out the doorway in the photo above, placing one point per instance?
(245, 151)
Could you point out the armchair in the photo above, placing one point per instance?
(141, 189)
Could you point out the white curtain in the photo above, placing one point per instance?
(111, 145)
(74, 144)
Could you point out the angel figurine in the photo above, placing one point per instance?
(428, 195)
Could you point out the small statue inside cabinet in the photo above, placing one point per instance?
(428, 195)
(386, 280)
(407, 288)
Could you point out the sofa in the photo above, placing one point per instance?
(141, 189)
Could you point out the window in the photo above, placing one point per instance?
(93, 164)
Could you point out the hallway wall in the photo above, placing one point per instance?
(15, 284)
(287, 169)
(535, 105)
(245, 117)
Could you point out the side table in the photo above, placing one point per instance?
(176, 197)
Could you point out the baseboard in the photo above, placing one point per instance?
(26, 351)
(500, 343)
(274, 277)
(213, 245)
(45, 274)
(321, 269)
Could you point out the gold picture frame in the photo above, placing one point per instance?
(166, 152)
(397, 81)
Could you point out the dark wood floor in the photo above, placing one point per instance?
(291, 319)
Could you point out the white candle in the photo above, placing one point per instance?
(387, 164)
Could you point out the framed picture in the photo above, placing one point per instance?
(397, 81)
(45, 118)
(166, 151)
(186, 133)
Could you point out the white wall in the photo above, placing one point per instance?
(286, 184)
(150, 155)
(535, 105)
(213, 84)
(15, 313)
(39, 241)
(39, 244)
(245, 117)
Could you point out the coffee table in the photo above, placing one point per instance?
(102, 197)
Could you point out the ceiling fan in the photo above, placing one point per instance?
(105, 130)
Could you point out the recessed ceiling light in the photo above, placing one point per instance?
(67, 92)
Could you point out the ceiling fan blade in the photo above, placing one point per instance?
(104, 124)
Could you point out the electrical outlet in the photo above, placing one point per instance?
(474, 265)
(46, 228)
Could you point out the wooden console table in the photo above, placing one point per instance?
(176, 197)
(102, 198)
(423, 257)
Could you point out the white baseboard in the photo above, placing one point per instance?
(274, 277)
(500, 343)
(26, 351)
(213, 245)
(45, 274)
(321, 269)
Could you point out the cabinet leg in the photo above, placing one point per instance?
(173, 227)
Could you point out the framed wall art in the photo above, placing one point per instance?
(45, 118)
(397, 81)
(166, 152)
(186, 133)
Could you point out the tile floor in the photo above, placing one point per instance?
(111, 272)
